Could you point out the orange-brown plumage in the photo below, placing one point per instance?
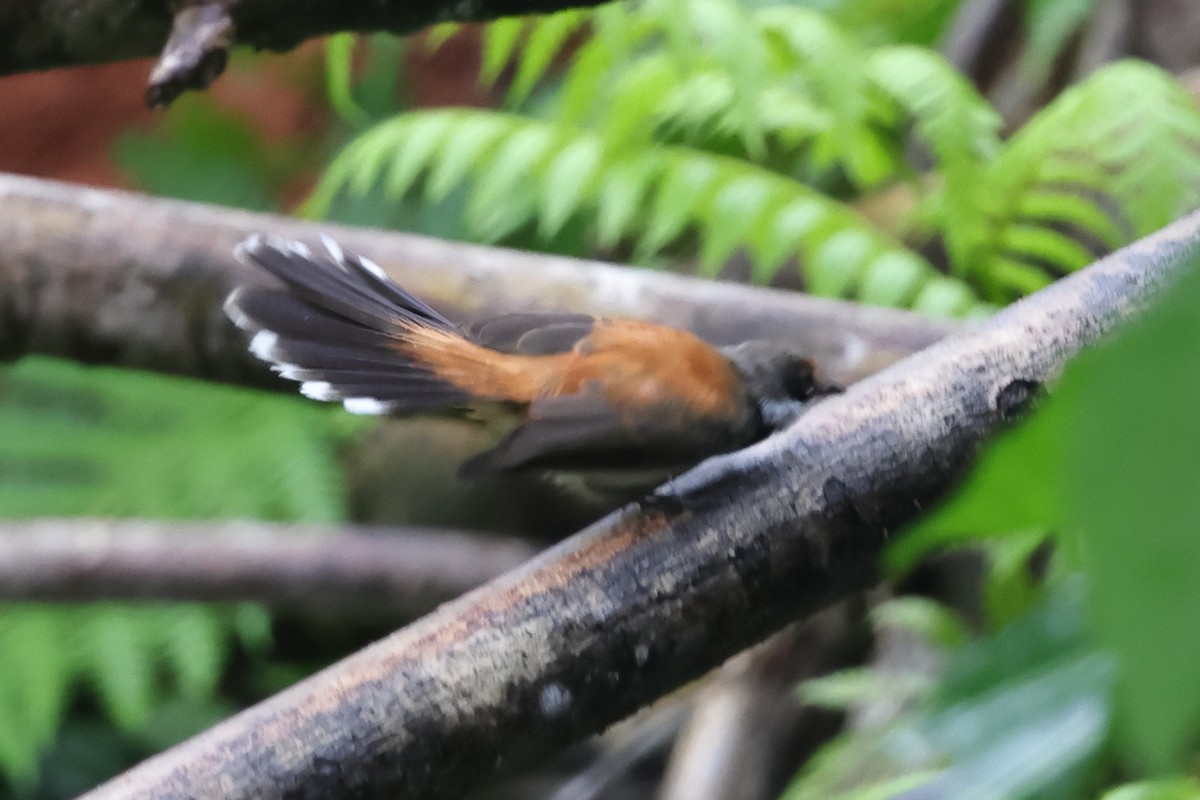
(635, 364)
(584, 393)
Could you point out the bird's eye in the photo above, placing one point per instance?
(797, 377)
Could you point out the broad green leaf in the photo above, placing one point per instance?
(1023, 713)
(1178, 789)
(1132, 474)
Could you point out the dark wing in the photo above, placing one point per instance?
(583, 432)
(532, 334)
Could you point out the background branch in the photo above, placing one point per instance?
(118, 278)
(385, 572)
(652, 596)
(41, 34)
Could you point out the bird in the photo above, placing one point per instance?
(578, 394)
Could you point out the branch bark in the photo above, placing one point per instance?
(656, 594)
(42, 34)
(118, 278)
(378, 571)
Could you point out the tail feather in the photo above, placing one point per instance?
(339, 326)
(320, 282)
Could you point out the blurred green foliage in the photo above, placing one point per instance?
(103, 442)
(1097, 674)
(695, 130)
(699, 132)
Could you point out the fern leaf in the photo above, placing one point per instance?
(546, 39)
(462, 147)
(684, 187)
(654, 196)
(502, 198)
(75, 440)
(1125, 142)
(112, 651)
(735, 208)
(421, 140)
(35, 673)
(837, 263)
(893, 279)
(500, 42)
(622, 194)
(954, 122)
(944, 297)
(194, 645)
(835, 69)
(568, 179)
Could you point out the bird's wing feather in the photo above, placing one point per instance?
(584, 432)
(532, 334)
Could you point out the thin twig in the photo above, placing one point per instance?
(656, 594)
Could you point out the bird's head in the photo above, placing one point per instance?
(780, 381)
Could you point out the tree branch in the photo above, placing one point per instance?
(656, 594)
(380, 571)
(42, 34)
(118, 278)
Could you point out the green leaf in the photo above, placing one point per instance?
(462, 145)
(893, 279)
(1024, 712)
(943, 297)
(1131, 487)
(503, 196)
(734, 210)
(1177, 789)
(685, 185)
(834, 266)
(546, 40)
(500, 42)
(339, 79)
(622, 196)
(568, 179)
(786, 236)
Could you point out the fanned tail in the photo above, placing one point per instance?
(339, 326)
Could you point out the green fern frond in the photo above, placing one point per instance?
(1114, 158)
(956, 124)
(538, 173)
(695, 128)
(108, 442)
